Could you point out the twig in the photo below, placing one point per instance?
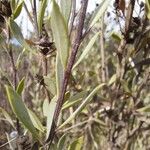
(136, 130)
(122, 46)
(69, 68)
(7, 142)
(103, 68)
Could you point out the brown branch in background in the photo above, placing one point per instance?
(44, 58)
(129, 16)
(122, 46)
(102, 51)
(71, 61)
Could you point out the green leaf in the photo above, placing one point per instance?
(15, 29)
(145, 109)
(36, 122)
(18, 9)
(7, 116)
(43, 5)
(50, 115)
(20, 110)
(100, 11)
(20, 86)
(50, 83)
(19, 59)
(112, 79)
(73, 100)
(46, 107)
(83, 105)
(77, 144)
(13, 4)
(70, 104)
(87, 49)
(79, 95)
(65, 7)
(147, 8)
(59, 74)
(60, 33)
(61, 142)
(125, 86)
(116, 36)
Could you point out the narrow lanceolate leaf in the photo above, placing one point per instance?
(145, 110)
(148, 8)
(59, 74)
(20, 110)
(98, 14)
(112, 79)
(61, 142)
(16, 31)
(73, 100)
(70, 104)
(13, 4)
(116, 36)
(87, 49)
(65, 7)
(20, 86)
(60, 33)
(36, 121)
(83, 105)
(77, 144)
(50, 115)
(18, 9)
(43, 5)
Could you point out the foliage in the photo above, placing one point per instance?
(73, 83)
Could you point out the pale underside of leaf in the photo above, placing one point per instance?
(100, 11)
(50, 114)
(86, 50)
(60, 33)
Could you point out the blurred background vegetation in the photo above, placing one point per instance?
(114, 53)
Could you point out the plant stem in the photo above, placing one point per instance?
(67, 74)
(103, 67)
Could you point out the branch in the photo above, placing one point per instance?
(102, 51)
(69, 68)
